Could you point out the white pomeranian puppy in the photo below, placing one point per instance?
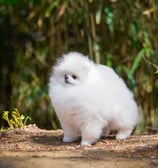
(90, 99)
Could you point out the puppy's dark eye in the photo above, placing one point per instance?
(74, 76)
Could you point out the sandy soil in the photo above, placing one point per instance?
(33, 147)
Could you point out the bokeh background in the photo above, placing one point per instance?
(120, 34)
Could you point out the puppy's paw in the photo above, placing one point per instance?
(123, 134)
(69, 139)
(85, 143)
(121, 137)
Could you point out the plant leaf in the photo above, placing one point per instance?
(137, 61)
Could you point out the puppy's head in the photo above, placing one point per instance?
(71, 78)
(72, 69)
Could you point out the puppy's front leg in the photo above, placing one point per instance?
(91, 132)
(70, 133)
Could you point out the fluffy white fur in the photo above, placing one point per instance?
(90, 99)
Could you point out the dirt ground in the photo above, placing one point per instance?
(33, 147)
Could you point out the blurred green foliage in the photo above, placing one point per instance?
(120, 34)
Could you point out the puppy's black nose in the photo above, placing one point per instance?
(66, 77)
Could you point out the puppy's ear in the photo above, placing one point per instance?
(87, 67)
